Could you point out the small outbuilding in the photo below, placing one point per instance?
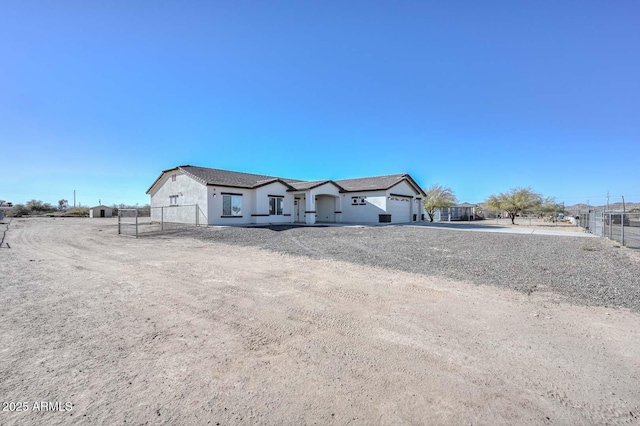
(100, 211)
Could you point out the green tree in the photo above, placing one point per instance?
(438, 197)
(37, 206)
(18, 210)
(550, 206)
(514, 201)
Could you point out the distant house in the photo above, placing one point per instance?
(100, 211)
(227, 198)
(463, 211)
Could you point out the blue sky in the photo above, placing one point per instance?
(479, 96)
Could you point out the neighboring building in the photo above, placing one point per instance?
(464, 211)
(100, 211)
(227, 198)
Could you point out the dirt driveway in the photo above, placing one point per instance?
(181, 331)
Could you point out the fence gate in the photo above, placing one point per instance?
(596, 223)
(128, 222)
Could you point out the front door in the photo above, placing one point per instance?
(101, 212)
(299, 207)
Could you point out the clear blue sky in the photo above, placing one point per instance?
(480, 96)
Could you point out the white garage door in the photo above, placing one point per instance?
(399, 208)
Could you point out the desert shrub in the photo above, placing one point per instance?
(18, 210)
(78, 211)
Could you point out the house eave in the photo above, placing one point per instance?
(319, 184)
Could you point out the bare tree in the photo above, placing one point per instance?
(438, 197)
(514, 201)
(63, 204)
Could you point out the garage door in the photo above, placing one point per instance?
(399, 208)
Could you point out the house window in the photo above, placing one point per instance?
(231, 205)
(173, 200)
(173, 178)
(275, 206)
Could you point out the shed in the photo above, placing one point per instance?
(100, 211)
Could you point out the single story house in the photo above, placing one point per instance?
(222, 197)
(100, 211)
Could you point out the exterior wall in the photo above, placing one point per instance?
(403, 188)
(261, 204)
(214, 212)
(189, 192)
(375, 204)
(311, 205)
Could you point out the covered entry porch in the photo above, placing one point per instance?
(321, 202)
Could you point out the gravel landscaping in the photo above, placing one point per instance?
(589, 271)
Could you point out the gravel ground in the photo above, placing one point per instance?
(588, 271)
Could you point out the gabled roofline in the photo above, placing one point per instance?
(415, 185)
(405, 177)
(192, 176)
(160, 177)
(270, 181)
(320, 183)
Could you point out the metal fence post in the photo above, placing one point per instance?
(136, 223)
(119, 226)
(162, 218)
(196, 214)
(622, 229)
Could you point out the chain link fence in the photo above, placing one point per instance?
(159, 220)
(622, 227)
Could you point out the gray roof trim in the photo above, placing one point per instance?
(378, 183)
(305, 186)
(274, 181)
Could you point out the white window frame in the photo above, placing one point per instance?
(173, 200)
